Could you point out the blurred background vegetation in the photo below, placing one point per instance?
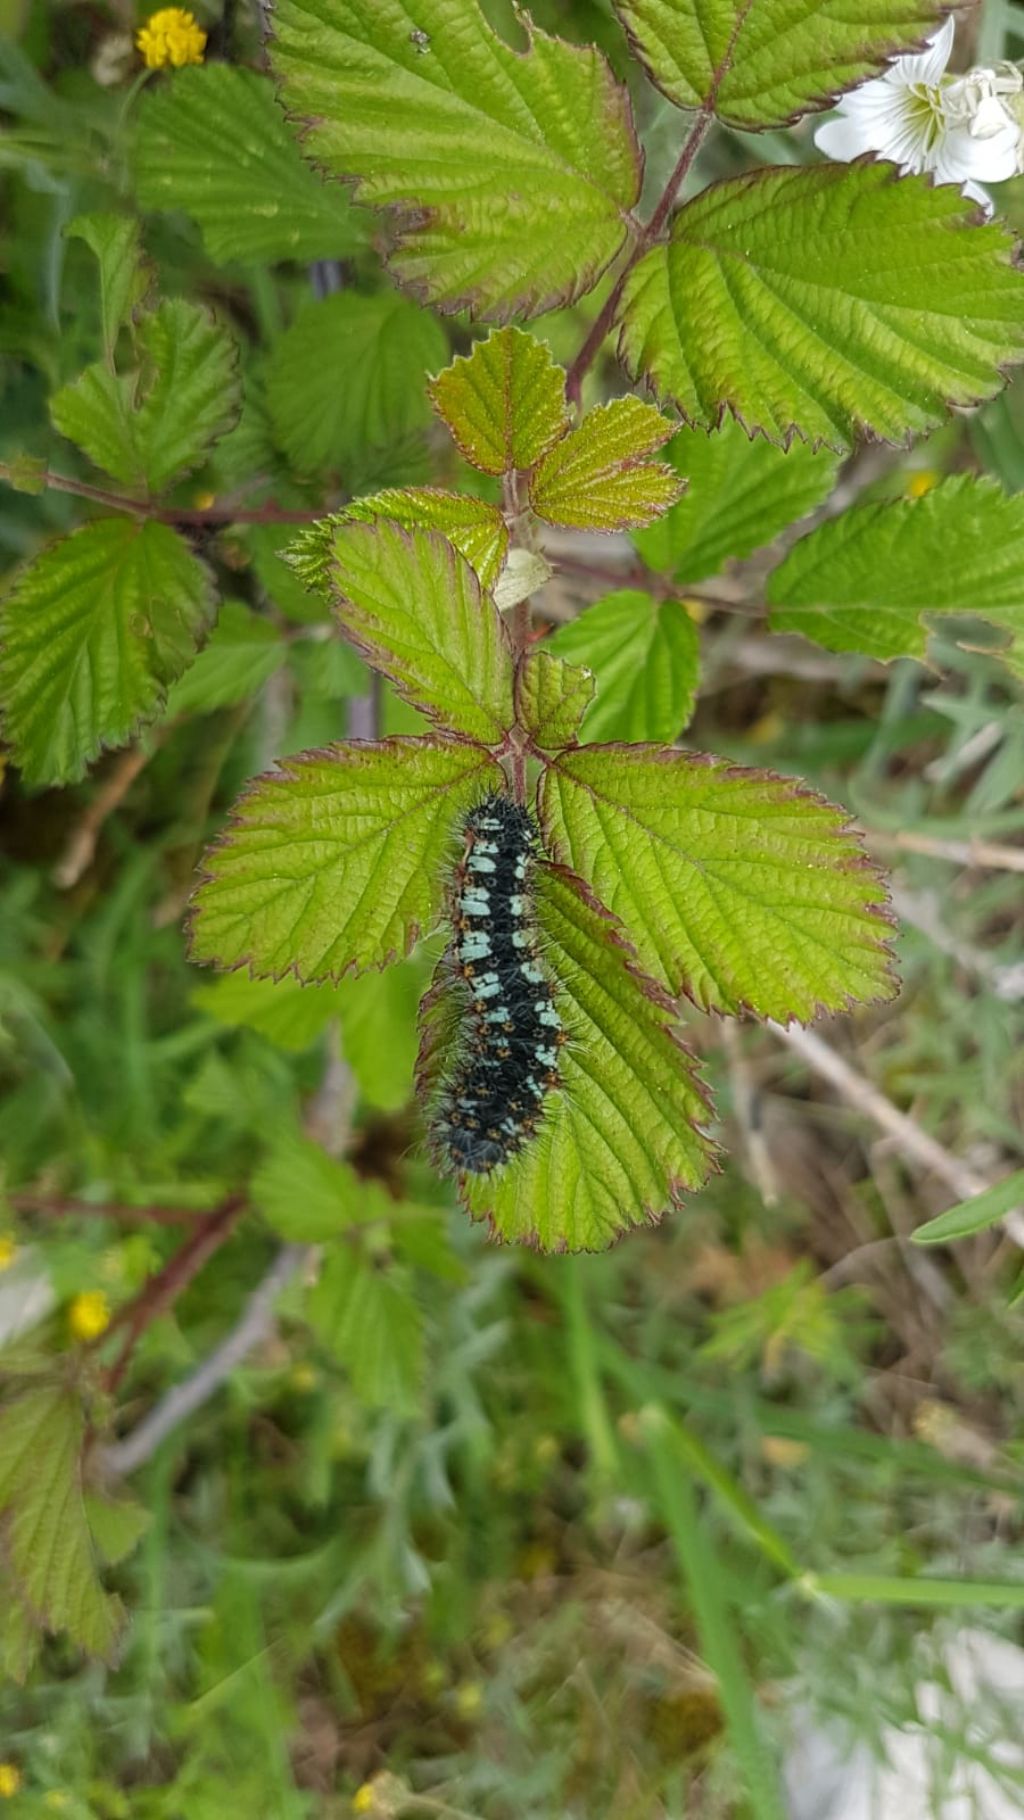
(560, 1537)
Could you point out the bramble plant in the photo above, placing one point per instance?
(407, 466)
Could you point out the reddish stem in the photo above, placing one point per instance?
(267, 514)
(644, 241)
(25, 1202)
(163, 1289)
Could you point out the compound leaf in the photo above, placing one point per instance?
(625, 1135)
(413, 606)
(336, 862)
(741, 492)
(862, 581)
(94, 631)
(599, 477)
(42, 1514)
(761, 63)
(348, 377)
(151, 425)
(214, 144)
(504, 403)
(825, 302)
(509, 175)
(645, 658)
(744, 890)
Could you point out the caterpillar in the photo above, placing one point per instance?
(492, 1103)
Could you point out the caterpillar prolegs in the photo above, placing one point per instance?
(508, 1055)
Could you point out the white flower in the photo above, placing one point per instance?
(961, 128)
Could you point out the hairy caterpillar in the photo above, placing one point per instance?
(492, 1102)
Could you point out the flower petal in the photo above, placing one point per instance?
(928, 66)
(960, 158)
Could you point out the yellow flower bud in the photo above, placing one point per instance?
(171, 38)
(89, 1315)
(10, 1780)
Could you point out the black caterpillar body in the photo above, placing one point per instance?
(492, 1103)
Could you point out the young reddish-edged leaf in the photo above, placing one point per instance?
(862, 581)
(504, 403)
(761, 63)
(552, 698)
(645, 658)
(826, 302)
(412, 605)
(625, 1136)
(600, 477)
(741, 889)
(509, 174)
(337, 862)
(474, 526)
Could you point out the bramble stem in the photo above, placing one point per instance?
(644, 241)
(163, 1289)
(267, 514)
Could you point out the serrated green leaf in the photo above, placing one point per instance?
(504, 403)
(270, 547)
(192, 395)
(413, 606)
(241, 652)
(509, 174)
(307, 1196)
(552, 697)
(421, 1238)
(825, 302)
(761, 63)
(94, 630)
(336, 863)
(214, 144)
(378, 1031)
(975, 1215)
(149, 426)
(286, 1013)
(645, 657)
(600, 478)
(861, 582)
(624, 1136)
(124, 275)
(377, 1012)
(96, 412)
(116, 1525)
(744, 890)
(46, 1536)
(474, 526)
(19, 1638)
(349, 377)
(369, 1319)
(741, 492)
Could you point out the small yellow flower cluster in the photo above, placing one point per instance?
(172, 38)
(8, 1250)
(89, 1315)
(10, 1781)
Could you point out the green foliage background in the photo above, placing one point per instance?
(470, 1531)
